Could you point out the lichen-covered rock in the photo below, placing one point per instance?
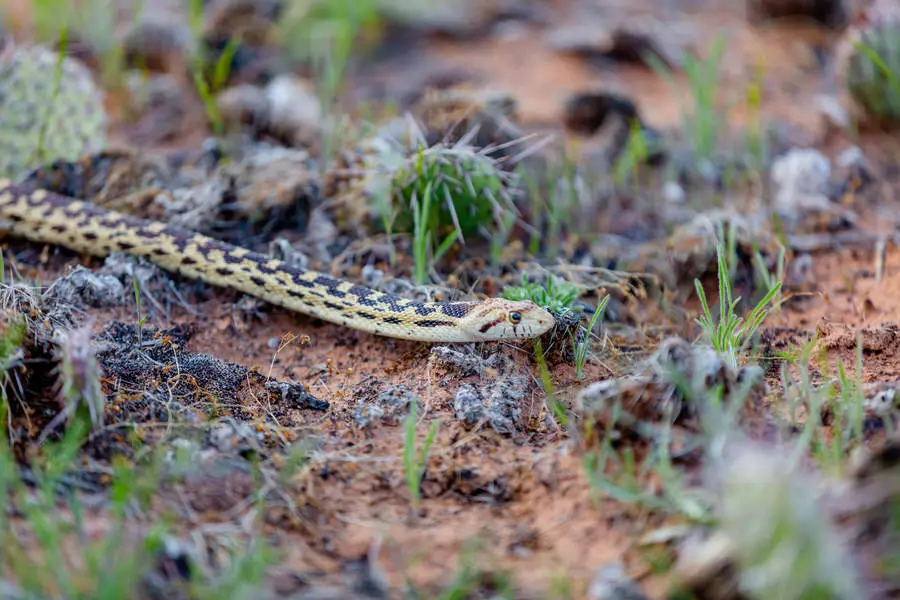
(46, 115)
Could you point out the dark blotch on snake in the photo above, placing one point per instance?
(455, 309)
(327, 281)
(423, 310)
(434, 323)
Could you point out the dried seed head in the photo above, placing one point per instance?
(80, 390)
(782, 540)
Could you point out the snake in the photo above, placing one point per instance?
(43, 216)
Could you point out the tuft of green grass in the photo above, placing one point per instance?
(477, 577)
(11, 341)
(756, 134)
(12, 355)
(766, 280)
(621, 477)
(208, 86)
(556, 297)
(581, 347)
(703, 123)
(325, 33)
(873, 72)
(424, 254)
(627, 167)
(553, 200)
(841, 394)
(731, 334)
(49, 521)
(208, 98)
(443, 194)
(413, 462)
(33, 557)
(847, 427)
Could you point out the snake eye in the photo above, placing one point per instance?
(515, 317)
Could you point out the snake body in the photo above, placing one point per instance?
(47, 217)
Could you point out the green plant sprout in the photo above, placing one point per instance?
(636, 152)
(206, 89)
(703, 123)
(766, 280)
(413, 463)
(141, 319)
(731, 334)
(554, 296)
(556, 405)
(581, 347)
(872, 73)
(325, 33)
(423, 235)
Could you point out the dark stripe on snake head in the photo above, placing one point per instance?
(484, 328)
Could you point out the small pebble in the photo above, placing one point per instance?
(673, 193)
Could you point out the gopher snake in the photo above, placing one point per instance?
(43, 216)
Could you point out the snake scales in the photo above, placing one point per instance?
(46, 217)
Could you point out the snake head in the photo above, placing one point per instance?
(500, 319)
